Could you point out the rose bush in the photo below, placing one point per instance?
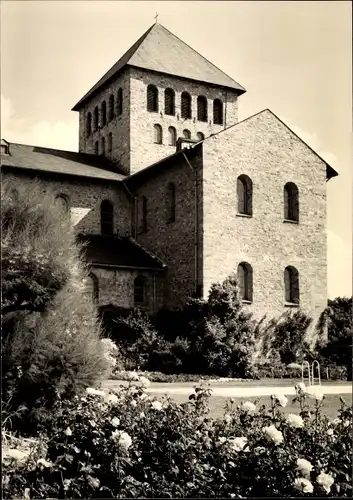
(128, 444)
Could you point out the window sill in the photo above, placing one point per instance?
(289, 221)
(246, 301)
(159, 143)
(247, 216)
(291, 304)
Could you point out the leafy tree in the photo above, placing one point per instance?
(339, 322)
(50, 335)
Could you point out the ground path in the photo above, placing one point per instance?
(237, 389)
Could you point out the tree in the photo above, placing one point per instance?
(338, 318)
(50, 335)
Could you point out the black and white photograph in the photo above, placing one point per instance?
(176, 249)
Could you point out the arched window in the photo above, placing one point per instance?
(245, 281)
(96, 118)
(187, 134)
(244, 192)
(185, 105)
(102, 146)
(169, 102)
(217, 112)
(171, 202)
(92, 287)
(107, 217)
(62, 202)
(152, 98)
(202, 108)
(139, 291)
(143, 212)
(200, 136)
(110, 142)
(158, 134)
(104, 113)
(89, 124)
(111, 107)
(291, 202)
(119, 102)
(96, 150)
(291, 285)
(171, 136)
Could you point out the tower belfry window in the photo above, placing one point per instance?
(152, 98)
(202, 108)
(185, 105)
(169, 102)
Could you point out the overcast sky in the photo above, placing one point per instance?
(292, 57)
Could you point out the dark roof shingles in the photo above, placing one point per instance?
(60, 162)
(117, 251)
(160, 50)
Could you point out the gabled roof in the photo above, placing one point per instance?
(37, 158)
(112, 251)
(160, 50)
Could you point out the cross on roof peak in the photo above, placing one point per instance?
(156, 18)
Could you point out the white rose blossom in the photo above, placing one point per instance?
(45, 463)
(300, 387)
(144, 381)
(294, 420)
(238, 443)
(115, 421)
(315, 392)
(111, 398)
(157, 405)
(221, 440)
(330, 432)
(304, 485)
(326, 481)
(133, 403)
(122, 438)
(281, 399)
(272, 434)
(346, 423)
(68, 431)
(227, 418)
(249, 407)
(142, 415)
(336, 421)
(304, 466)
(143, 396)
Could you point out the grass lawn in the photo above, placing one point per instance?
(330, 405)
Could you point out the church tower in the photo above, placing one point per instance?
(159, 90)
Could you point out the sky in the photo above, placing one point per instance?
(294, 58)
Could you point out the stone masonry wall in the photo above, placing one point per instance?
(116, 287)
(143, 150)
(119, 126)
(85, 197)
(265, 150)
(174, 242)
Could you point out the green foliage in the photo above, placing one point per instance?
(128, 445)
(50, 335)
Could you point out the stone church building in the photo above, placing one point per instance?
(171, 193)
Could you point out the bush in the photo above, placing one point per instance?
(337, 318)
(131, 446)
(50, 344)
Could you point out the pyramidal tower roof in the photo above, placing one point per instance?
(160, 50)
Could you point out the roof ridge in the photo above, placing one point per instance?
(127, 54)
(198, 53)
(151, 254)
(44, 147)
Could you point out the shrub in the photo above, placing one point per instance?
(130, 445)
(50, 343)
(337, 318)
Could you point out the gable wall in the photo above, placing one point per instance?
(143, 150)
(271, 156)
(174, 243)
